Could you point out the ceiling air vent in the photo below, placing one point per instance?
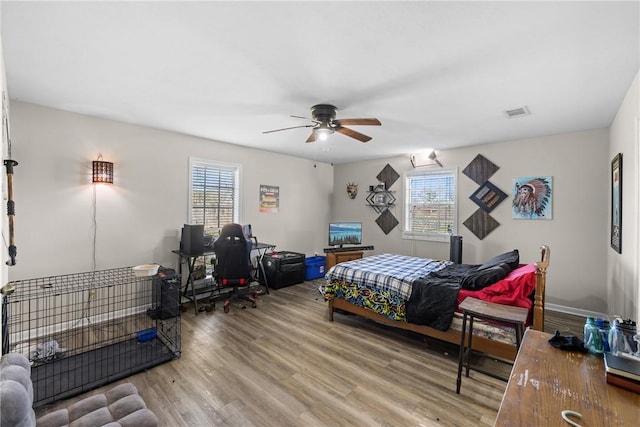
(517, 112)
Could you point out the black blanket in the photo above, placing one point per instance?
(433, 298)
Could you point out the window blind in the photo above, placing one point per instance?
(430, 205)
(214, 194)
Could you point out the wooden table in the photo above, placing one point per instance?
(545, 381)
(472, 308)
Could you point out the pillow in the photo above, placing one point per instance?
(512, 258)
(480, 278)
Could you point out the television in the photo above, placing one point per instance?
(345, 233)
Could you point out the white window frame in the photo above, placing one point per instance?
(234, 167)
(443, 236)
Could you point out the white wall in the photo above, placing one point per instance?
(578, 163)
(4, 221)
(623, 287)
(138, 217)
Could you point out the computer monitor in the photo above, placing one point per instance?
(248, 233)
(192, 240)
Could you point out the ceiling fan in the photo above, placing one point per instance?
(325, 123)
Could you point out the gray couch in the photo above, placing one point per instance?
(120, 406)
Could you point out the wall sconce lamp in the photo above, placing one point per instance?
(424, 159)
(102, 171)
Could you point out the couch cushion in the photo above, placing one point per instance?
(85, 406)
(16, 391)
(99, 417)
(140, 418)
(54, 419)
(127, 405)
(119, 406)
(15, 411)
(120, 391)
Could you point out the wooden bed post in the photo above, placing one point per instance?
(541, 282)
(331, 310)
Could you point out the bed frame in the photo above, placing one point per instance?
(496, 348)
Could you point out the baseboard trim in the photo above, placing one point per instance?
(575, 311)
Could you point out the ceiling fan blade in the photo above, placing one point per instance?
(353, 134)
(312, 137)
(363, 122)
(293, 127)
(306, 118)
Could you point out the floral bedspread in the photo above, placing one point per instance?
(379, 301)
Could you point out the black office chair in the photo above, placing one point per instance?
(248, 233)
(233, 264)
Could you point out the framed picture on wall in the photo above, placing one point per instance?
(532, 197)
(488, 196)
(269, 198)
(616, 203)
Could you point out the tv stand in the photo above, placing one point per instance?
(347, 249)
(344, 254)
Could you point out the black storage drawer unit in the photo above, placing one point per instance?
(166, 294)
(283, 268)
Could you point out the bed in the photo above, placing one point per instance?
(422, 295)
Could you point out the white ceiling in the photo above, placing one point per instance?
(436, 74)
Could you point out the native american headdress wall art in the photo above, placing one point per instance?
(532, 197)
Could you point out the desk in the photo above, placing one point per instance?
(545, 381)
(262, 249)
(190, 292)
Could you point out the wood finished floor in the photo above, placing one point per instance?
(285, 364)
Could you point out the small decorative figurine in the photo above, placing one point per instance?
(352, 190)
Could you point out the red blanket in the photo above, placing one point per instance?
(515, 289)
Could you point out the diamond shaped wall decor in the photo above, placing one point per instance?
(388, 175)
(386, 221)
(481, 224)
(480, 169)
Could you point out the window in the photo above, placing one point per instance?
(430, 205)
(214, 196)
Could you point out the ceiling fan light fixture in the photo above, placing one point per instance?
(323, 131)
(325, 123)
(323, 134)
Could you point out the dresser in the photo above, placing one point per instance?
(545, 381)
(334, 258)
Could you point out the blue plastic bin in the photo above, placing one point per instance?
(315, 266)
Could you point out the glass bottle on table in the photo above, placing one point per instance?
(592, 340)
(603, 330)
(621, 336)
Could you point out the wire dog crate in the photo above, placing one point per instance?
(81, 331)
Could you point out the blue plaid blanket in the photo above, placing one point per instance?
(388, 272)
